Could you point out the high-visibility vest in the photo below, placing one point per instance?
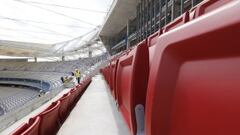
(77, 73)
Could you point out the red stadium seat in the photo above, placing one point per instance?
(89, 80)
(110, 75)
(132, 76)
(194, 82)
(63, 109)
(206, 6)
(20, 129)
(84, 84)
(152, 40)
(49, 123)
(79, 90)
(72, 97)
(106, 74)
(184, 18)
(88, 83)
(31, 128)
(79, 87)
(113, 76)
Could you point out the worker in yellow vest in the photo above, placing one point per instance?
(78, 75)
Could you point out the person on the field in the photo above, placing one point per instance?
(78, 75)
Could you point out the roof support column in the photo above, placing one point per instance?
(35, 59)
(90, 54)
(63, 58)
(128, 33)
(160, 14)
(138, 23)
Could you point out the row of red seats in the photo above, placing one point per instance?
(183, 82)
(50, 120)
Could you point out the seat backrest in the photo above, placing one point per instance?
(78, 87)
(49, 123)
(151, 42)
(88, 83)
(184, 18)
(30, 128)
(20, 129)
(193, 86)
(79, 90)
(108, 74)
(72, 97)
(111, 75)
(104, 73)
(114, 71)
(33, 128)
(63, 109)
(131, 84)
(206, 6)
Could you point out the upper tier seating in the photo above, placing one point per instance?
(61, 66)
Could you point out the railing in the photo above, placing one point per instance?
(122, 43)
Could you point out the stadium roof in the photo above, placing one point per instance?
(34, 27)
(121, 11)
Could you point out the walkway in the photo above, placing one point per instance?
(95, 113)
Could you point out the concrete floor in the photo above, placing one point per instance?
(95, 113)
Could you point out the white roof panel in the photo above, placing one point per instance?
(44, 23)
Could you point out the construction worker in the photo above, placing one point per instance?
(78, 75)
